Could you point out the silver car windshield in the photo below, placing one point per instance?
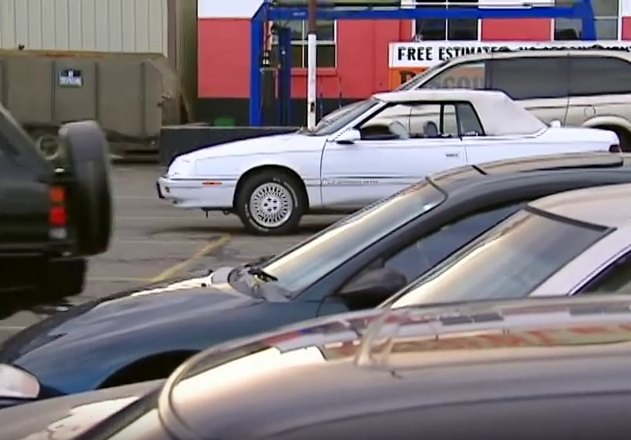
(312, 259)
(509, 261)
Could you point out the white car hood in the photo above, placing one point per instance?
(279, 143)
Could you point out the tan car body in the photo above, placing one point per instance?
(607, 111)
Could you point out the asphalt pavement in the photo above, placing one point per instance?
(153, 241)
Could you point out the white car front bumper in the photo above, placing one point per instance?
(197, 193)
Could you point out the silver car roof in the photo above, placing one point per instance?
(605, 205)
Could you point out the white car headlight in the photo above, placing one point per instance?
(16, 383)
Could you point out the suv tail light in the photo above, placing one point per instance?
(615, 148)
(58, 213)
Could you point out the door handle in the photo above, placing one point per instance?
(454, 155)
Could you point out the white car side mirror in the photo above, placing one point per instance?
(555, 124)
(17, 384)
(349, 137)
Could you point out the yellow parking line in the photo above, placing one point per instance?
(219, 242)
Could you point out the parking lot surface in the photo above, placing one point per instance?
(153, 241)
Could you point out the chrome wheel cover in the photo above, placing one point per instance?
(271, 205)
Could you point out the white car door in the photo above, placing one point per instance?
(396, 148)
(489, 148)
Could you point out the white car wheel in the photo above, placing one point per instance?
(270, 203)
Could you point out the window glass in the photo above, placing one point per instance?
(606, 21)
(413, 80)
(469, 122)
(599, 75)
(607, 28)
(461, 76)
(440, 29)
(567, 29)
(338, 120)
(325, 56)
(417, 258)
(418, 120)
(615, 279)
(327, 48)
(450, 120)
(530, 77)
(605, 8)
(509, 261)
(424, 121)
(305, 263)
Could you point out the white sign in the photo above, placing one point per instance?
(430, 53)
(70, 78)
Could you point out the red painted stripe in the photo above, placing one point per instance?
(362, 69)
(524, 29)
(223, 58)
(224, 63)
(626, 28)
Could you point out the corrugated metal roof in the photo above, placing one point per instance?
(92, 25)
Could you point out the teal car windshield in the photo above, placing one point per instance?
(307, 262)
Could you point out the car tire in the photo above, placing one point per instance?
(271, 203)
(87, 149)
(54, 281)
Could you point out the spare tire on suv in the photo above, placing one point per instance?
(86, 151)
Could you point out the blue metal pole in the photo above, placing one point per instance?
(257, 30)
(587, 17)
(285, 74)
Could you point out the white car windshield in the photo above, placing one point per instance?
(307, 262)
(509, 261)
(339, 119)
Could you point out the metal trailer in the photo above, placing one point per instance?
(131, 95)
(130, 64)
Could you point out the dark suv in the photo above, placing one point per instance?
(53, 214)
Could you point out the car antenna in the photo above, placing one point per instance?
(479, 170)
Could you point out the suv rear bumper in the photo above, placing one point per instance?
(36, 281)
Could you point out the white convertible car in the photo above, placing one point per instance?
(374, 149)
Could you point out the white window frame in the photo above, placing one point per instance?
(303, 43)
(479, 26)
(619, 30)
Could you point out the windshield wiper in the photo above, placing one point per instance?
(261, 274)
(258, 261)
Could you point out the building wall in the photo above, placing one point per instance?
(183, 50)
(88, 25)
(362, 60)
